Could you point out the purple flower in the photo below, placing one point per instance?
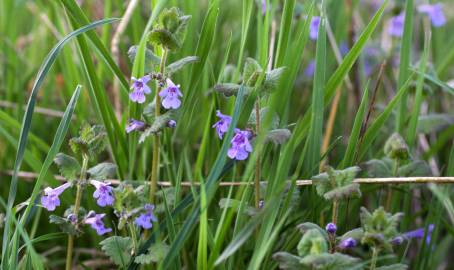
(240, 147)
(135, 125)
(347, 243)
(396, 26)
(343, 48)
(103, 193)
(140, 88)
(170, 95)
(435, 13)
(331, 228)
(223, 124)
(50, 199)
(145, 219)
(95, 221)
(416, 234)
(310, 69)
(313, 30)
(172, 124)
(263, 7)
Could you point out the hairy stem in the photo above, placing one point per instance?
(133, 236)
(83, 176)
(373, 261)
(156, 142)
(257, 162)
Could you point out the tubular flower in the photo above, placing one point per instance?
(145, 219)
(103, 193)
(170, 95)
(223, 124)
(140, 88)
(240, 147)
(50, 199)
(95, 221)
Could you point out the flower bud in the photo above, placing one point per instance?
(331, 228)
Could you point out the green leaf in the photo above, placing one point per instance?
(151, 60)
(278, 136)
(102, 171)
(288, 261)
(118, 249)
(263, 114)
(306, 226)
(379, 228)
(328, 261)
(397, 266)
(251, 72)
(337, 184)
(272, 79)
(312, 243)
(356, 234)
(156, 253)
(415, 168)
(159, 123)
(162, 37)
(230, 89)
(68, 166)
(434, 122)
(376, 168)
(65, 225)
(178, 65)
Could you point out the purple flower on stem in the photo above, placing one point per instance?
(347, 243)
(416, 234)
(50, 199)
(140, 88)
(145, 219)
(435, 13)
(103, 193)
(172, 124)
(240, 147)
(223, 124)
(396, 26)
(95, 221)
(331, 228)
(313, 30)
(170, 95)
(135, 125)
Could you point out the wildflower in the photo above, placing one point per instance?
(435, 13)
(172, 124)
(50, 199)
(241, 147)
(263, 7)
(347, 243)
(313, 31)
(331, 228)
(396, 27)
(95, 221)
(135, 125)
(145, 219)
(170, 95)
(310, 69)
(140, 88)
(72, 218)
(417, 234)
(223, 124)
(103, 193)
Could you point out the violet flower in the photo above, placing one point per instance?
(263, 7)
(170, 95)
(103, 193)
(140, 88)
(172, 124)
(347, 243)
(435, 13)
(145, 219)
(416, 234)
(50, 199)
(396, 26)
(313, 30)
(135, 125)
(240, 147)
(331, 228)
(95, 221)
(222, 126)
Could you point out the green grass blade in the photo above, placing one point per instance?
(284, 32)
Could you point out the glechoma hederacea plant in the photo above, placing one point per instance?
(199, 160)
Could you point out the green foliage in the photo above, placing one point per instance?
(102, 171)
(157, 126)
(337, 184)
(156, 253)
(91, 140)
(118, 249)
(68, 166)
(180, 64)
(379, 228)
(312, 243)
(171, 29)
(396, 148)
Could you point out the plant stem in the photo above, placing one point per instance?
(373, 261)
(134, 237)
(83, 176)
(156, 142)
(335, 207)
(257, 162)
(389, 187)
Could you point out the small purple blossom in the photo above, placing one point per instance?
(72, 218)
(172, 124)
(416, 234)
(347, 243)
(170, 95)
(310, 69)
(396, 25)
(95, 221)
(140, 88)
(313, 30)
(240, 147)
(103, 193)
(145, 219)
(331, 228)
(135, 125)
(435, 13)
(50, 199)
(223, 124)
(263, 7)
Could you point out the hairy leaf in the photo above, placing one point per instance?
(68, 166)
(102, 171)
(118, 249)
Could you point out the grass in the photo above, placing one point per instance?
(58, 72)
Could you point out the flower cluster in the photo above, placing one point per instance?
(240, 145)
